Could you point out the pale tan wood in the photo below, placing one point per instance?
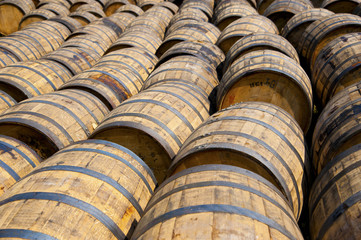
(337, 128)
(57, 8)
(132, 9)
(17, 160)
(7, 58)
(272, 77)
(96, 11)
(68, 22)
(65, 3)
(53, 121)
(281, 11)
(337, 184)
(150, 23)
(84, 18)
(169, 5)
(35, 16)
(162, 12)
(222, 4)
(189, 14)
(118, 168)
(204, 5)
(122, 19)
(336, 67)
(259, 41)
(229, 14)
(24, 48)
(318, 34)
(340, 6)
(208, 187)
(11, 13)
(6, 101)
(155, 122)
(95, 42)
(52, 27)
(147, 4)
(185, 69)
(242, 27)
(295, 27)
(258, 136)
(77, 3)
(113, 6)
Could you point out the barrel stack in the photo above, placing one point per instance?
(152, 119)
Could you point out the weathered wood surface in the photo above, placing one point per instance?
(340, 6)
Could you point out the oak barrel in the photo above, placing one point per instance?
(32, 78)
(242, 27)
(166, 4)
(337, 66)
(98, 12)
(155, 123)
(6, 101)
(35, 16)
(295, 27)
(340, 6)
(187, 69)
(56, 8)
(24, 48)
(53, 121)
(217, 202)
(92, 189)
(65, 3)
(11, 13)
(84, 18)
(16, 161)
(88, 41)
(335, 198)
(189, 14)
(7, 58)
(69, 22)
(132, 9)
(258, 136)
(272, 77)
(319, 33)
(53, 27)
(281, 11)
(77, 3)
(259, 41)
(337, 127)
(204, 5)
(113, 5)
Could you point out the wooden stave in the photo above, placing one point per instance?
(205, 6)
(65, 3)
(69, 22)
(7, 58)
(113, 5)
(189, 14)
(78, 3)
(84, 18)
(98, 12)
(36, 16)
(58, 9)
(6, 101)
(130, 8)
(340, 6)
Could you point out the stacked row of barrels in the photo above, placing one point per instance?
(209, 99)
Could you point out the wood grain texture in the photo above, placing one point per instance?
(6, 101)
(166, 4)
(11, 13)
(17, 160)
(153, 23)
(164, 13)
(92, 189)
(187, 69)
(113, 5)
(242, 27)
(147, 4)
(155, 123)
(340, 6)
(268, 76)
(335, 198)
(52, 121)
(96, 11)
(7, 58)
(77, 3)
(217, 202)
(84, 18)
(32, 78)
(189, 14)
(130, 8)
(57, 8)
(337, 127)
(337, 66)
(295, 27)
(257, 136)
(122, 19)
(204, 5)
(65, 3)
(259, 41)
(319, 33)
(68, 22)
(36, 15)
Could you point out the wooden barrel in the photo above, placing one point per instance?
(145, 40)
(98, 12)
(262, 5)
(337, 127)
(335, 198)
(189, 14)
(77, 3)
(68, 22)
(17, 160)
(32, 78)
(222, 4)
(259, 41)
(163, 14)
(132, 9)
(188, 30)
(53, 121)
(149, 23)
(340, 6)
(7, 58)
(217, 202)
(146, 4)
(281, 11)
(102, 188)
(24, 48)
(169, 5)
(337, 66)
(204, 50)
(242, 27)
(6, 101)
(76, 60)
(323, 31)
(228, 15)
(155, 123)
(188, 69)
(272, 77)
(55, 28)
(58, 9)
(87, 41)
(11, 13)
(115, 77)
(257, 136)
(204, 5)
(65, 3)
(84, 18)
(99, 29)
(36, 16)
(295, 27)
(113, 5)
(118, 21)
